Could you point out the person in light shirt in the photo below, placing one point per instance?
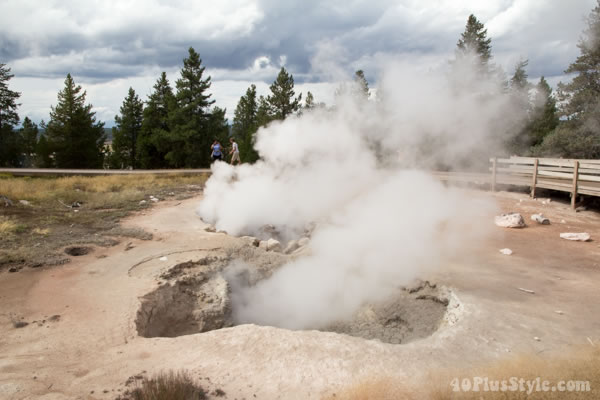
(234, 152)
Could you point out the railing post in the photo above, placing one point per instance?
(494, 162)
(575, 177)
(534, 181)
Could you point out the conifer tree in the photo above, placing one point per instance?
(281, 101)
(153, 141)
(126, 131)
(74, 136)
(9, 119)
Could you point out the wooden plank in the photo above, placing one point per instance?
(586, 164)
(589, 178)
(534, 180)
(574, 191)
(565, 161)
(513, 161)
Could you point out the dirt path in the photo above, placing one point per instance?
(81, 339)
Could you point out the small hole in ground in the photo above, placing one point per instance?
(78, 251)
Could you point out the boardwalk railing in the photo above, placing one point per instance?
(578, 177)
(566, 175)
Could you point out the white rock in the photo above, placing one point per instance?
(291, 247)
(511, 220)
(562, 221)
(251, 240)
(506, 252)
(25, 202)
(263, 245)
(274, 245)
(163, 258)
(154, 199)
(143, 202)
(540, 219)
(303, 242)
(582, 237)
(536, 338)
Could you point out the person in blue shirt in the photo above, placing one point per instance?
(217, 151)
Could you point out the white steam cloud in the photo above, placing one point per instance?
(354, 171)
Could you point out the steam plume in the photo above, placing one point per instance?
(354, 171)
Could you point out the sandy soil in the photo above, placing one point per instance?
(81, 339)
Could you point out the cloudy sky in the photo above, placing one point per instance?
(110, 45)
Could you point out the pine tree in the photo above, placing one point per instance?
(153, 142)
(281, 101)
(518, 137)
(28, 136)
(544, 114)
(474, 42)
(263, 113)
(309, 102)
(9, 140)
(579, 135)
(361, 87)
(43, 154)
(191, 137)
(8, 99)
(582, 94)
(126, 131)
(73, 134)
(245, 124)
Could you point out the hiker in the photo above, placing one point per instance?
(216, 151)
(235, 152)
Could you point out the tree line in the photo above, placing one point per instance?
(175, 128)
(171, 129)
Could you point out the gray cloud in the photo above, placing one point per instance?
(105, 41)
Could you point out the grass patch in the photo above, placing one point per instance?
(166, 386)
(65, 211)
(7, 227)
(581, 367)
(43, 232)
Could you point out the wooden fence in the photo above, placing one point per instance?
(579, 177)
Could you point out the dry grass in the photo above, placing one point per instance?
(167, 386)
(582, 366)
(42, 232)
(7, 227)
(47, 222)
(115, 189)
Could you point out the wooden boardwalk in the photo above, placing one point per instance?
(98, 172)
(578, 177)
